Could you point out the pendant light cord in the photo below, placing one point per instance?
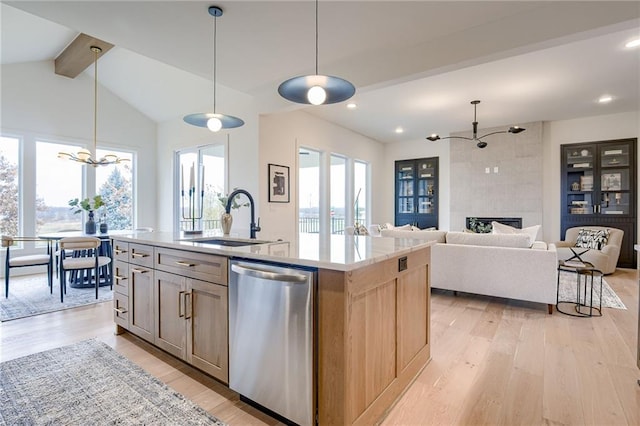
(316, 37)
(95, 103)
(215, 22)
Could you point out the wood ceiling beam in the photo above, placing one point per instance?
(77, 56)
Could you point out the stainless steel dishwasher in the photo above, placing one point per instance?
(271, 337)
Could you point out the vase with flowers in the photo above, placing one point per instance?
(90, 205)
(226, 220)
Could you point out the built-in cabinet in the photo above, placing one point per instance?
(176, 300)
(599, 188)
(416, 192)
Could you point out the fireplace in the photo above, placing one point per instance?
(483, 224)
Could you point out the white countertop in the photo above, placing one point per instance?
(337, 252)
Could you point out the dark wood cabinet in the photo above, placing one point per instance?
(416, 192)
(599, 188)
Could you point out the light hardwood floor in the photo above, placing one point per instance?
(494, 362)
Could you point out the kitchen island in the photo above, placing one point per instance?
(372, 306)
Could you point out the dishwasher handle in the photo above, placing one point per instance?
(268, 275)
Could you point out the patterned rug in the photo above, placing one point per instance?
(29, 295)
(89, 383)
(568, 291)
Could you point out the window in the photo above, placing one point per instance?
(342, 200)
(308, 191)
(338, 177)
(56, 184)
(200, 209)
(9, 184)
(114, 184)
(360, 190)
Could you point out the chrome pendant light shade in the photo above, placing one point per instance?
(316, 89)
(83, 155)
(214, 121)
(478, 139)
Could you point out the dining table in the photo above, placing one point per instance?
(77, 279)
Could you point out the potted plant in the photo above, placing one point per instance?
(89, 205)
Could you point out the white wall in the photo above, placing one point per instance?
(280, 137)
(37, 103)
(242, 155)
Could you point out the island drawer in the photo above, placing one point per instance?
(202, 266)
(120, 250)
(121, 310)
(140, 254)
(121, 277)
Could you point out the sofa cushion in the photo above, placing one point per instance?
(495, 240)
(592, 238)
(501, 228)
(438, 236)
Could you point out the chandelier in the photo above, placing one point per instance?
(480, 143)
(84, 155)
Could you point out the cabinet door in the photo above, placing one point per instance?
(405, 192)
(413, 314)
(207, 328)
(426, 192)
(121, 277)
(170, 325)
(141, 312)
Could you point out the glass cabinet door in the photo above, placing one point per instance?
(614, 180)
(426, 186)
(580, 173)
(406, 181)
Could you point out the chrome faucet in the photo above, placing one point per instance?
(253, 227)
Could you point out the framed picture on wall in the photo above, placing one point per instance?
(278, 183)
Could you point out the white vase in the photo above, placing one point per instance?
(226, 220)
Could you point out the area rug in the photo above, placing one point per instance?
(89, 383)
(29, 295)
(568, 282)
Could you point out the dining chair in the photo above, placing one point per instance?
(57, 250)
(86, 257)
(26, 260)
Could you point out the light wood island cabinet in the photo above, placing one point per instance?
(372, 329)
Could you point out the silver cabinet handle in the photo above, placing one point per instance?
(188, 297)
(180, 303)
(120, 310)
(268, 275)
(139, 271)
(185, 263)
(139, 255)
(119, 251)
(119, 277)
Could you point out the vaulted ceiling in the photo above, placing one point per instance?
(415, 64)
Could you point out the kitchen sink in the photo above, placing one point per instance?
(228, 242)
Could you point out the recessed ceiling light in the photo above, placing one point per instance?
(633, 43)
(399, 130)
(604, 99)
(351, 105)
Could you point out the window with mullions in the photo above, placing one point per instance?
(114, 184)
(9, 185)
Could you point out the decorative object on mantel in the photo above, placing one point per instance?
(84, 155)
(214, 121)
(480, 143)
(188, 211)
(90, 205)
(316, 89)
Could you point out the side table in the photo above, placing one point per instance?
(585, 273)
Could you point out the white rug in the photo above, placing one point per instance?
(568, 291)
(29, 295)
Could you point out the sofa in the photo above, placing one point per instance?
(501, 265)
(598, 245)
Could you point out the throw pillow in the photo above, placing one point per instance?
(386, 226)
(406, 227)
(501, 228)
(360, 230)
(592, 238)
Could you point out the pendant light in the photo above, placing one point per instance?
(316, 89)
(213, 120)
(480, 143)
(84, 155)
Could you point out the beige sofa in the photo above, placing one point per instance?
(501, 265)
